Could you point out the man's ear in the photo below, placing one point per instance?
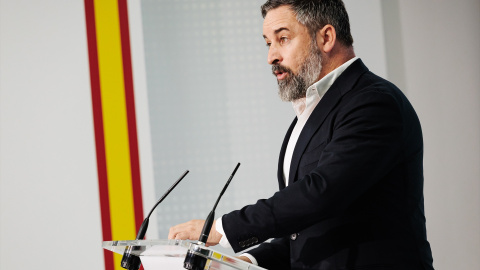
(326, 38)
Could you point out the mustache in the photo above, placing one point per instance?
(279, 68)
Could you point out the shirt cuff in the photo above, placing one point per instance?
(254, 261)
(219, 227)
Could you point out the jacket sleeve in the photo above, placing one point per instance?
(365, 146)
(274, 254)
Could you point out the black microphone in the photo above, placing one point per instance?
(130, 261)
(192, 261)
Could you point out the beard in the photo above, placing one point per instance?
(294, 86)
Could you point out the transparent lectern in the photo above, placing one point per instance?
(170, 254)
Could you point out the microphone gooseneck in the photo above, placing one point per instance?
(130, 261)
(196, 262)
(211, 216)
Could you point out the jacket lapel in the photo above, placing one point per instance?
(344, 83)
(281, 180)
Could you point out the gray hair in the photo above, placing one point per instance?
(315, 14)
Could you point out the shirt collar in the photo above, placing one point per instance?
(316, 91)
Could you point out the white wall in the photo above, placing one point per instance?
(49, 201)
(442, 74)
(368, 33)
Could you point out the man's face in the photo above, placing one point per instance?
(294, 56)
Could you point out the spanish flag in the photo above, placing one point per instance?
(114, 122)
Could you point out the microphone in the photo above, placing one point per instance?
(193, 261)
(130, 261)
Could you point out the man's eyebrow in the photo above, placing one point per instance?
(281, 29)
(278, 31)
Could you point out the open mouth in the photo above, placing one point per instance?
(280, 74)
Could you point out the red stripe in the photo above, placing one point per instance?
(131, 118)
(98, 128)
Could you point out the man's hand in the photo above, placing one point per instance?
(191, 230)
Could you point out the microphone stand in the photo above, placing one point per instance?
(129, 260)
(193, 261)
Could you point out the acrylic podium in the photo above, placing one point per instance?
(170, 254)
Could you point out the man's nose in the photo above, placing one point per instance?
(274, 56)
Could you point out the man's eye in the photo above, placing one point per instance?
(268, 44)
(283, 40)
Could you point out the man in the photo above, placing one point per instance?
(351, 166)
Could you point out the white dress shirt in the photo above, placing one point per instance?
(303, 108)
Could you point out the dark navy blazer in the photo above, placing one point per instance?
(355, 193)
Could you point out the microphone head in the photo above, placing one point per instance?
(130, 261)
(194, 262)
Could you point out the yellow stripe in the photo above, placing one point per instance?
(115, 121)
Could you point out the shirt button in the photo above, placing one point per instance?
(293, 236)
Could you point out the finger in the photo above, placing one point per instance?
(173, 231)
(188, 230)
(171, 234)
(181, 236)
(180, 231)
